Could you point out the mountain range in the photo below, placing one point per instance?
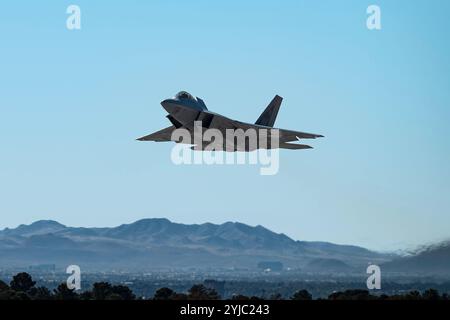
(431, 260)
(155, 244)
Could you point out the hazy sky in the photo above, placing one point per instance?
(73, 102)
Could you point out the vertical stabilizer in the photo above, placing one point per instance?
(268, 117)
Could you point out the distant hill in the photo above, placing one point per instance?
(151, 244)
(433, 260)
(327, 265)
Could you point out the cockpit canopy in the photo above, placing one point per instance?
(183, 95)
(187, 100)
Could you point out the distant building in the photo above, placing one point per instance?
(270, 265)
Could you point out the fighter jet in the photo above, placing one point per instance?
(187, 112)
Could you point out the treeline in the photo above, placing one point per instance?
(22, 287)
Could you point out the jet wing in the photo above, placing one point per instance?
(161, 135)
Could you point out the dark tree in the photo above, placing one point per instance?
(101, 290)
(413, 295)
(13, 295)
(22, 282)
(355, 294)
(113, 296)
(276, 296)
(86, 295)
(106, 291)
(164, 294)
(200, 292)
(239, 297)
(431, 294)
(5, 292)
(123, 292)
(64, 293)
(40, 293)
(302, 295)
(180, 296)
(3, 286)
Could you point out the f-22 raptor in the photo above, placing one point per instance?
(187, 112)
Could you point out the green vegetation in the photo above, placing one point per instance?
(22, 287)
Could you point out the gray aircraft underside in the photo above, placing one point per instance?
(186, 112)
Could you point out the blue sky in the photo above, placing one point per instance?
(72, 103)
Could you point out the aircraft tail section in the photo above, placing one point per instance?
(268, 117)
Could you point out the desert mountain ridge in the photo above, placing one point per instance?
(158, 243)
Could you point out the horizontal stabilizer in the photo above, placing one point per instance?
(294, 146)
